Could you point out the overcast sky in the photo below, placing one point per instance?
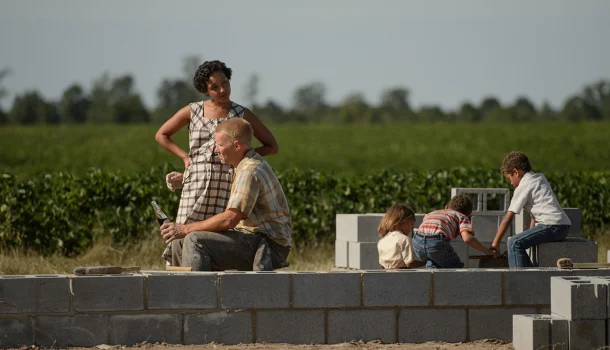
(444, 51)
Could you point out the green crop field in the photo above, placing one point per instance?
(340, 149)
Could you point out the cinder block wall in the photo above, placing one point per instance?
(288, 307)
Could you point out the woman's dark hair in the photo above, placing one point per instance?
(200, 81)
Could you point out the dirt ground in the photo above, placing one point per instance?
(489, 344)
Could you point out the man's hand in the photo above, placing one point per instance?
(172, 231)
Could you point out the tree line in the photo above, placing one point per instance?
(115, 100)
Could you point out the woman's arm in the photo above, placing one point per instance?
(170, 127)
(263, 134)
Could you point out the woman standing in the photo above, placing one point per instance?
(206, 182)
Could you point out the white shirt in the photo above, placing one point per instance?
(395, 250)
(535, 196)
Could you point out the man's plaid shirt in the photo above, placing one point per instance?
(257, 193)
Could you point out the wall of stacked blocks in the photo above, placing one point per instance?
(530, 307)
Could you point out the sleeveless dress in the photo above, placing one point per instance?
(206, 182)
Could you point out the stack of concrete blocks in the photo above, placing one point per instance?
(356, 240)
(406, 306)
(485, 221)
(574, 247)
(578, 318)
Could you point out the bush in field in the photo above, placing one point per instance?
(63, 213)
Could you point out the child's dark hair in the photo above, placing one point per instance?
(396, 215)
(461, 203)
(200, 80)
(515, 160)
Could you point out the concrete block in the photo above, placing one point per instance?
(467, 287)
(219, 327)
(605, 280)
(539, 332)
(325, 289)
(521, 222)
(397, 288)
(589, 334)
(576, 249)
(481, 198)
(254, 290)
(493, 322)
(423, 325)
(108, 292)
(363, 256)
(77, 330)
(290, 326)
(575, 216)
(480, 264)
(341, 253)
(591, 272)
(34, 294)
(15, 333)
(182, 291)
(461, 249)
(366, 325)
(529, 286)
(578, 298)
(132, 329)
(358, 227)
(485, 227)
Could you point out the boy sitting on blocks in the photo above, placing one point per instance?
(534, 195)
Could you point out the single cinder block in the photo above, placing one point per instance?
(182, 291)
(363, 256)
(341, 253)
(366, 325)
(522, 222)
(578, 250)
(219, 327)
(34, 294)
(325, 289)
(397, 288)
(605, 280)
(529, 286)
(423, 325)
(467, 287)
(108, 292)
(77, 330)
(252, 290)
(493, 323)
(290, 326)
(483, 263)
(15, 333)
(575, 218)
(540, 332)
(587, 334)
(461, 249)
(485, 227)
(578, 298)
(132, 329)
(358, 227)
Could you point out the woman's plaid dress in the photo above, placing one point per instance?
(206, 182)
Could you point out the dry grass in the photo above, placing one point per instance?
(146, 254)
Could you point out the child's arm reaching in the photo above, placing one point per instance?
(474, 242)
(504, 225)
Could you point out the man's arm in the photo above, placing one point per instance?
(219, 222)
(504, 225)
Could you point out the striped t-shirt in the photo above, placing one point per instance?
(449, 222)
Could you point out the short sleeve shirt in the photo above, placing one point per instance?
(535, 196)
(395, 250)
(449, 222)
(257, 193)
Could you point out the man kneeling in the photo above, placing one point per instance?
(254, 232)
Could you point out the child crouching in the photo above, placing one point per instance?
(394, 247)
